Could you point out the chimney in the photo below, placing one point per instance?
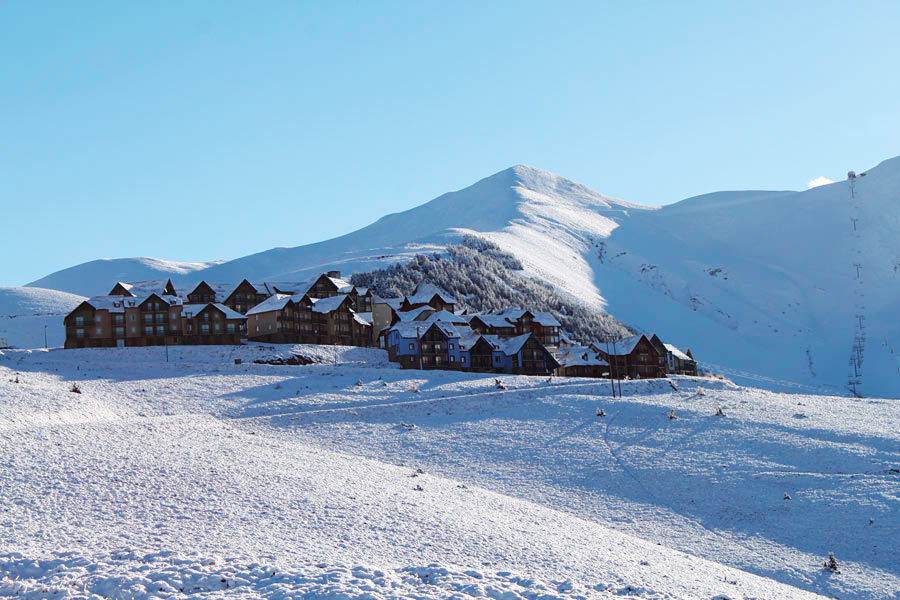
(335, 274)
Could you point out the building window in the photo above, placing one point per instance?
(452, 358)
(160, 330)
(133, 329)
(451, 346)
(120, 331)
(99, 331)
(174, 327)
(79, 333)
(411, 345)
(132, 319)
(79, 321)
(204, 328)
(97, 317)
(462, 359)
(120, 319)
(230, 327)
(148, 330)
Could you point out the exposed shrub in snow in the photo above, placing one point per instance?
(831, 564)
(75, 389)
(484, 278)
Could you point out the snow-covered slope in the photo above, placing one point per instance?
(24, 311)
(762, 285)
(98, 276)
(343, 481)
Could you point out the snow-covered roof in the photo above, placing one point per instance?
(508, 346)
(288, 287)
(114, 304)
(626, 346)
(220, 289)
(365, 316)
(492, 320)
(190, 310)
(581, 356)
(362, 291)
(260, 288)
(443, 315)
(276, 302)
(513, 314)
(412, 315)
(545, 319)
(514, 344)
(414, 329)
(145, 288)
(394, 303)
(326, 305)
(426, 291)
(676, 352)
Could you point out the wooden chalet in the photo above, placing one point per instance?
(205, 292)
(633, 357)
(163, 287)
(245, 296)
(673, 360)
(430, 295)
(212, 324)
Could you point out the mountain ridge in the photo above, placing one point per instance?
(761, 281)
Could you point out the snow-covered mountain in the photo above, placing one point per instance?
(24, 311)
(760, 284)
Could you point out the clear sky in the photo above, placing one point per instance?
(211, 130)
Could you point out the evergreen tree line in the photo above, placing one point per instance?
(484, 278)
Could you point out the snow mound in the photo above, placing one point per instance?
(128, 574)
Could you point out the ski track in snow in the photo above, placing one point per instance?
(183, 474)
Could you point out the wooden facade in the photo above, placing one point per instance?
(636, 358)
(244, 297)
(123, 321)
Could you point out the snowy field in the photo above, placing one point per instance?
(350, 478)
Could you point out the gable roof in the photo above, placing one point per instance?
(449, 317)
(411, 315)
(581, 356)
(327, 305)
(191, 310)
(260, 288)
(627, 345)
(394, 303)
(145, 288)
(491, 320)
(276, 302)
(677, 353)
(545, 319)
(426, 291)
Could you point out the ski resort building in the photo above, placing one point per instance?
(120, 320)
(576, 360)
(420, 331)
(439, 344)
(634, 357)
(672, 359)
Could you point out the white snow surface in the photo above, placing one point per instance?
(24, 311)
(351, 478)
(774, 289)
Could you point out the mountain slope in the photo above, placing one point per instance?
(24, 311)
(762, 285)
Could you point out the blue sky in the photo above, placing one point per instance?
(211, 130)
